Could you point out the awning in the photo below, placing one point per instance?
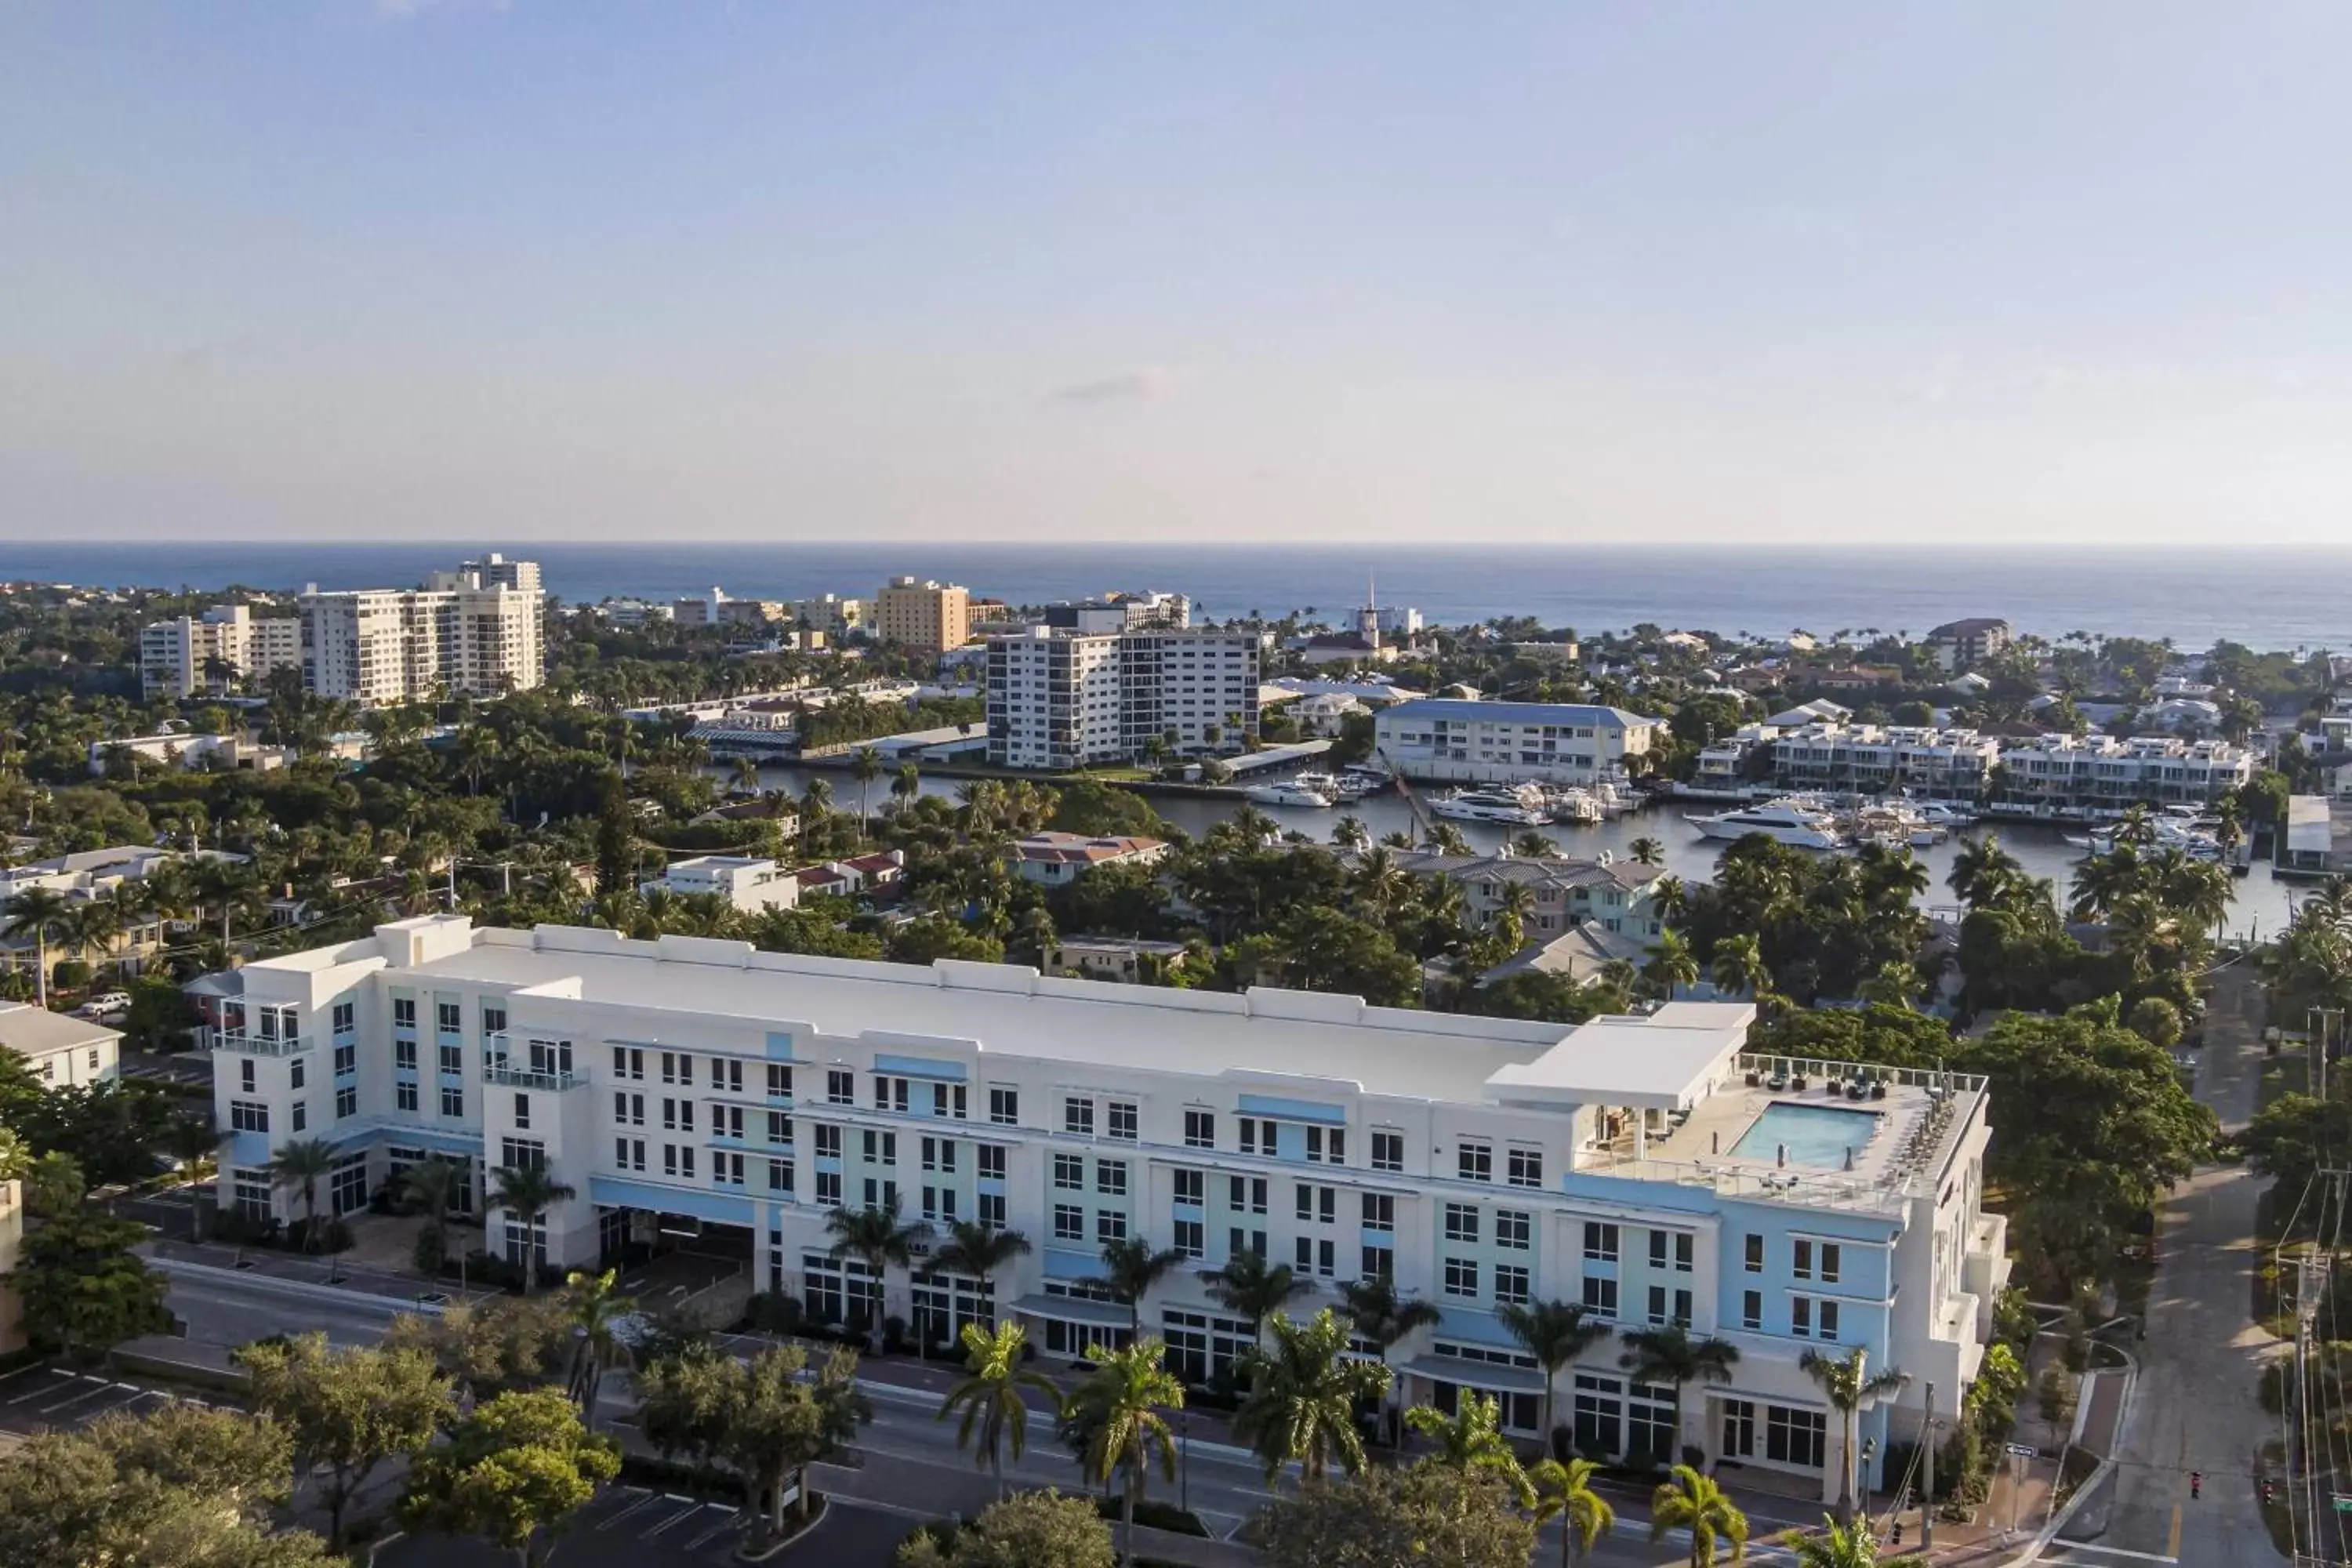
(1073, 1310)
(1480, 1375)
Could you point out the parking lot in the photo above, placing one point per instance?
(637, 1526)
(48, 1398)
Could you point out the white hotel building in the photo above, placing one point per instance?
(476, 629)
(1641, 1167)
(1065, 698)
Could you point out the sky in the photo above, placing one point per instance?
(1814, 271)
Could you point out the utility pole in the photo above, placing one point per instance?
(1928, 1487)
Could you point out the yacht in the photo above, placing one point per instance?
(1784, 822)
(1287, 792)
(1333, 787)
(2166, 832)
(1364, 780)
(1516, 807)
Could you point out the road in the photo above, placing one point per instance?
(233, 1310)
(2196, 1407)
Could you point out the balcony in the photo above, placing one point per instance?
(506, 1075)
(246, 1043)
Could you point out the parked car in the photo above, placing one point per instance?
(106, 1005)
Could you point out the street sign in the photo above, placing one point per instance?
(2342, 1503)
(2020, 1451)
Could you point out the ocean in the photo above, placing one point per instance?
(2266, 599)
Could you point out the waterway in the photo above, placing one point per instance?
(2261, 905)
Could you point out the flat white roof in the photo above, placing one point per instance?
(1010, 1008)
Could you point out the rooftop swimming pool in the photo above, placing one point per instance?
(1816, 1135)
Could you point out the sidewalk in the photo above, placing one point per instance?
(313, 1269)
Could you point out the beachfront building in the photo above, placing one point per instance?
(477, 630)
(2100, 775)
(1959, 644)
(1472, 742)
(1060, 699)
(927, 616)
(1645, 1167)
(744, 883)
(215, 654)
(1870, 759)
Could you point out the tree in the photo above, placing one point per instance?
(1130, 1269)
(1471, 1441)
(1850, 1388)
(1028, 1530)
(302, 1163)
(1384, 1318)
(526, 1193)
(82, 1288)
(1121, 1401)
(348, 1411)
(192, 1142)
(512, 1472)
(1648, 851)
(1304, 1389)
(431, 1185)
(977, 1251)
(875, 1237)
(865, 766)
(990, 1395)
(1248, 1287)
(1554, 1333)
(1419, 1517)
(1854, 1546)
(502, 1345)
(767, 1420)
(36, 912)
(2157, 1021)
(1564, 1491)
(616, 845)
(595, 1309)
(1670, 1355)
(1689, 1501)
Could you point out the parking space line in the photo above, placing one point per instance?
(98, 1386)
(645, 1499)
(58, 1379)
(27, 1372)
(729, 1519)
(689, 1511)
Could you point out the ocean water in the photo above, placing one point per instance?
(2267, 599)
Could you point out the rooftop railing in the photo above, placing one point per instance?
(505, 1073)
(246, 1043)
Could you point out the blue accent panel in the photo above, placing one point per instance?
(780, 1049)
(829, 1162)
(1062, 1264)
(993, 1185)
(1378, 1238)
(719, 1207)
(250, 1150)
(1190, 1210)
(452, 1080)
(1290, 1143)
(1294, 1109)
(920, 1066)
(781, 1101)
(1474, 1325)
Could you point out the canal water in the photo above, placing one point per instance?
(2258, 909)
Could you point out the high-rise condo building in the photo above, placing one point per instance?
(932, 617)
(213, 654)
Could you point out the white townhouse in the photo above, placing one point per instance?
(1474, 741)
(1951, 765)
(702, 1094)
(2097, 774)
(748, 884)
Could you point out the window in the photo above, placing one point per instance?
(1070, 1173)
(1246, 1194)
(1200, 1130)
(1801, 1265)
(677, 1161)
(522, 1155)
(1326, 1146)
(452, 1101)
(1110, 1178)
(780, 1127)
(1320, 1258)
(881, 1148)
(1462, 1222)
(1192, 1186)
(1510, 1285)
(523, 1111)
(1388, 1151)
(1795, 1437)
(1248, 1126)
(1462, 1276)
(890, 1093)
(347, 1059)
(1069, 1223)
(403, 1012)
(347, 1101)
(629, 1062)
(403, 1095)
(1832, 1260)
(1525, 1168)
(828, 1188)
(840, 1087)
(726, 1075)
(452, 1059)
(1599, 1413)
(248, 1075)
(939, 1154)
(629, 1153)
(1753, 1250)
(1475, 1162)
(727, 1122)
(1600, 1241)
(629, 1110)
(1379, 1263)
(494, 1020)
(1004, 1107)
(676, 1067)
(1238, 1241)
(248, 1116)
(1671, 1250)
(1751, 1309)
(344, 1018)
(294, 1073)
(780, 1080)
(1122, 1120)
(301, 1117)
(1514, 1229)
(991, 1210)
(1601, 1296)
(1078, 1117)
(991, 1161)
(1190, 1240)
(1110, 1225)
(449, 1017)
(1380, 1212)
(780, 1177)
(404, 1055)
(677, 1115)
(947, 1100)
(828, 1142)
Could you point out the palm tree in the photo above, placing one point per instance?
(1349, 833)
(1564, 1491)
(1839, 1545)
(37, 911)
(1648, 851)
(1554, 1333)
(302, 1162)
(875, 1237)
(1739, 966)
(526, 1193)
(747, 775)
(1120, 1401)
(1384, 1318)
(1694, 1502)
(1670, 1355)
(1303, 1392)
(865, 767)
(192, 1142)
(1130, 1269)
(1471, 1440)
(1847, 1383)
(907, 785)
(990, 1395)
(1670, 965)
(1249, 1287)
(1534, 846)
(977, 1251)
(595, 1308)
(1445, 838)
(431, 1185)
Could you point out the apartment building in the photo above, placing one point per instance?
(1928, 763)
(1643, 1166)
(476, 629)
(84, 876)
(745, 883)
(1471, 741)
(1120, 613)
(828, 613)
(214, 654)
(1060, 698)
(932, 617)
(2094, 774)
(1564, 892)
(1959, 644)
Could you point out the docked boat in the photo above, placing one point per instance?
(1333, 787)
(1798, 824)
(1573, 804)
(1287, 792)
(1364, 781)
(2164, 833)
(1521, 808)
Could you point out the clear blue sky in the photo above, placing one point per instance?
(1651, 273)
